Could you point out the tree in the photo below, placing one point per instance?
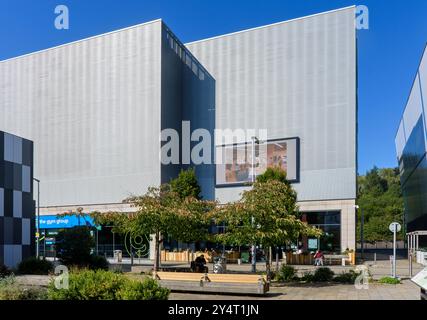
(73, 246)
(192, 223)
(266, 215)
(374, 183)
(380, 199)
(186, 184)
(274, 173)
(161, 211)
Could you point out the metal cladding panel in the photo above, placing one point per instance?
(92, 108)
(295, 79)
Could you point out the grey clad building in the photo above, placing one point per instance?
(95, 109)
(411, 148)
(17, 221)
(295, 78)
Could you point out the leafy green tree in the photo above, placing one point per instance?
(191, 222)
(186, 184)
(158, 212)
(73, 246)
(266, 215)
(380, 199)
(374, 183)
(274, 173)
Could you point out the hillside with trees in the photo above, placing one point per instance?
(380, 198)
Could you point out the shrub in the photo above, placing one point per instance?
(88, 285)
(98, 262)
(73, 246)
(106, 285)
(286, 274)
(10, 290)
(307, 277)
(323, 275)
(346, 277)
(4, 271)
(149, 289)
(35, 266)
(273, 275)
(389, 280)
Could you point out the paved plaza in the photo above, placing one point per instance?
(404, 291)
(378, 269)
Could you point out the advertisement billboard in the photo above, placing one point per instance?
(237, 167)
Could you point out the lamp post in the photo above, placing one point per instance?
(253, 248)
(362, 222)
(38, 217)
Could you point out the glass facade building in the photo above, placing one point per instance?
(411, 148)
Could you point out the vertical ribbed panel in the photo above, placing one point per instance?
(93, 110)
(295, 79)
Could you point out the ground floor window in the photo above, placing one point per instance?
(330, 223)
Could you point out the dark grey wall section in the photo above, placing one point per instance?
(1, 154)
(17, 207)
(188, 94)
(171, 98)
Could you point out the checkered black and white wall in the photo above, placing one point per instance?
(17, 207)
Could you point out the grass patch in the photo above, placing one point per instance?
(389, 280)
(10, 290)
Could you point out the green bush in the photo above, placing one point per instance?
(286, 274)
(149, 289)
(4, 271)
(73, 246)
(389, 280)
(346, 277)
(88, 285)
(35, 266)
(323, 275)
(10, 290)
(106, 285)
(307, 277)
(98, 263)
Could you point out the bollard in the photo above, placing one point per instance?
(375, 258)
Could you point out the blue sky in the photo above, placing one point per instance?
(389, 52)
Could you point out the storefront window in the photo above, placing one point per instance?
(330, 223)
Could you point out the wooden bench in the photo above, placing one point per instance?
(219, 283)
(341, 258)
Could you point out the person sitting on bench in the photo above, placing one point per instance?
(198, 265)
(318, 258)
